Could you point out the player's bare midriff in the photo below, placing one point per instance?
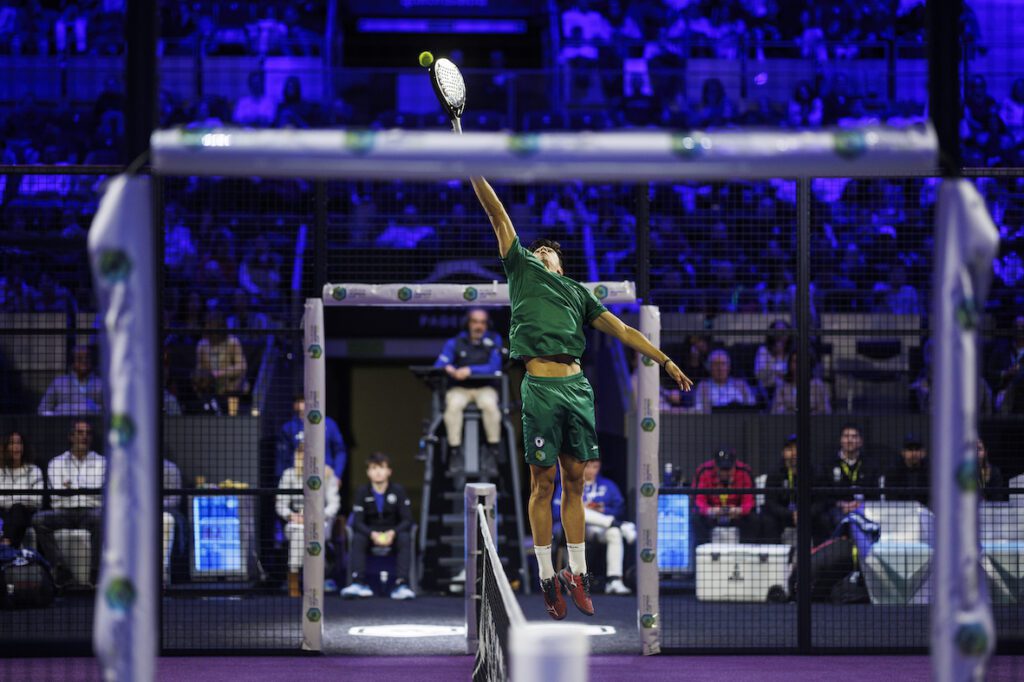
(552, 366)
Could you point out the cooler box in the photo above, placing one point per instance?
(741, 572)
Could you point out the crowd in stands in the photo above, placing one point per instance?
(855, 472)
(222, 27)
(718, 247)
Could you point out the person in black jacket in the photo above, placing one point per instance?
(990, 478)
(381, 518)
(912, 472)
(849, 473)
(780, 498)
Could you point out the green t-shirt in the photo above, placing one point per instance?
(548, 309)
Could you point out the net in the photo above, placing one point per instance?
(498, 611)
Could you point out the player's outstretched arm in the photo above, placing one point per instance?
(500, 221)
(614, 327)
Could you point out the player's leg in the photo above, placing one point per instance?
(541, 439)
(575, 578)
(579, 445)
(542, 487)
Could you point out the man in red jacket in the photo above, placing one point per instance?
(724, 509)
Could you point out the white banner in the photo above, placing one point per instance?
(314, 477)
(647, 418)
(963, 635)
(532, 157)
(124, 276)
(488, 294)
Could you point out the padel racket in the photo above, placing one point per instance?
(450, 89)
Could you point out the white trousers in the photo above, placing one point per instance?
(612, 537)
(296, 543)
(455, 401)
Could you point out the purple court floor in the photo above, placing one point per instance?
(444, 668)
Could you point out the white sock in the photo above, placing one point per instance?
(577, 557)
(547, 569)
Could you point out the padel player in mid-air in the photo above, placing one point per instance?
(549, 311)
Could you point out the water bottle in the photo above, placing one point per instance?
(668, 480)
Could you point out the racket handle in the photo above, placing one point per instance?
(457, 126)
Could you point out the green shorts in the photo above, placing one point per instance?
(558, 417)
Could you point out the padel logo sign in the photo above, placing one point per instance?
(122, 430)
(601, 292)
(120, 594)
(115, 265)
(470, 294)
(360, 141)
(404, 294)
(689, 147)
(524, 145)
(339, 293)
(849, 144)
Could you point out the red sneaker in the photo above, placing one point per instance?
(578, 586)
(553, 598)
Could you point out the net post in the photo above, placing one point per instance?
(647, 435)
(314, 537)
(485, 494)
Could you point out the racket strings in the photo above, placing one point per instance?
(452, 86)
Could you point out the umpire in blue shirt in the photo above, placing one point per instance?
(471, 359)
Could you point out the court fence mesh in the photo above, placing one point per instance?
(721, 261)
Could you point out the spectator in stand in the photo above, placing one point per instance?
(79, 468)
(220, 366)
(603, 509)
(55, 297)
(720, 389)
(725, 509)
(770, 362)
(260, 271)
(896, 295)
(779, 515)
(805, 109)
(913, 471)
(71, 30)
(293, 111)
(290, 506)
(268, 34)
(849, 473)
(381, 519)
(1007, 369)
(16, 294)
(256, 109)
(593, 26)
(1012, 110)
(716, 109)
(837, 102)
(17, 473)
(78, 392)
(784, 400)
(989, 476)
(335, 453)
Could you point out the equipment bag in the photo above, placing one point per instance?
(25, 581)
